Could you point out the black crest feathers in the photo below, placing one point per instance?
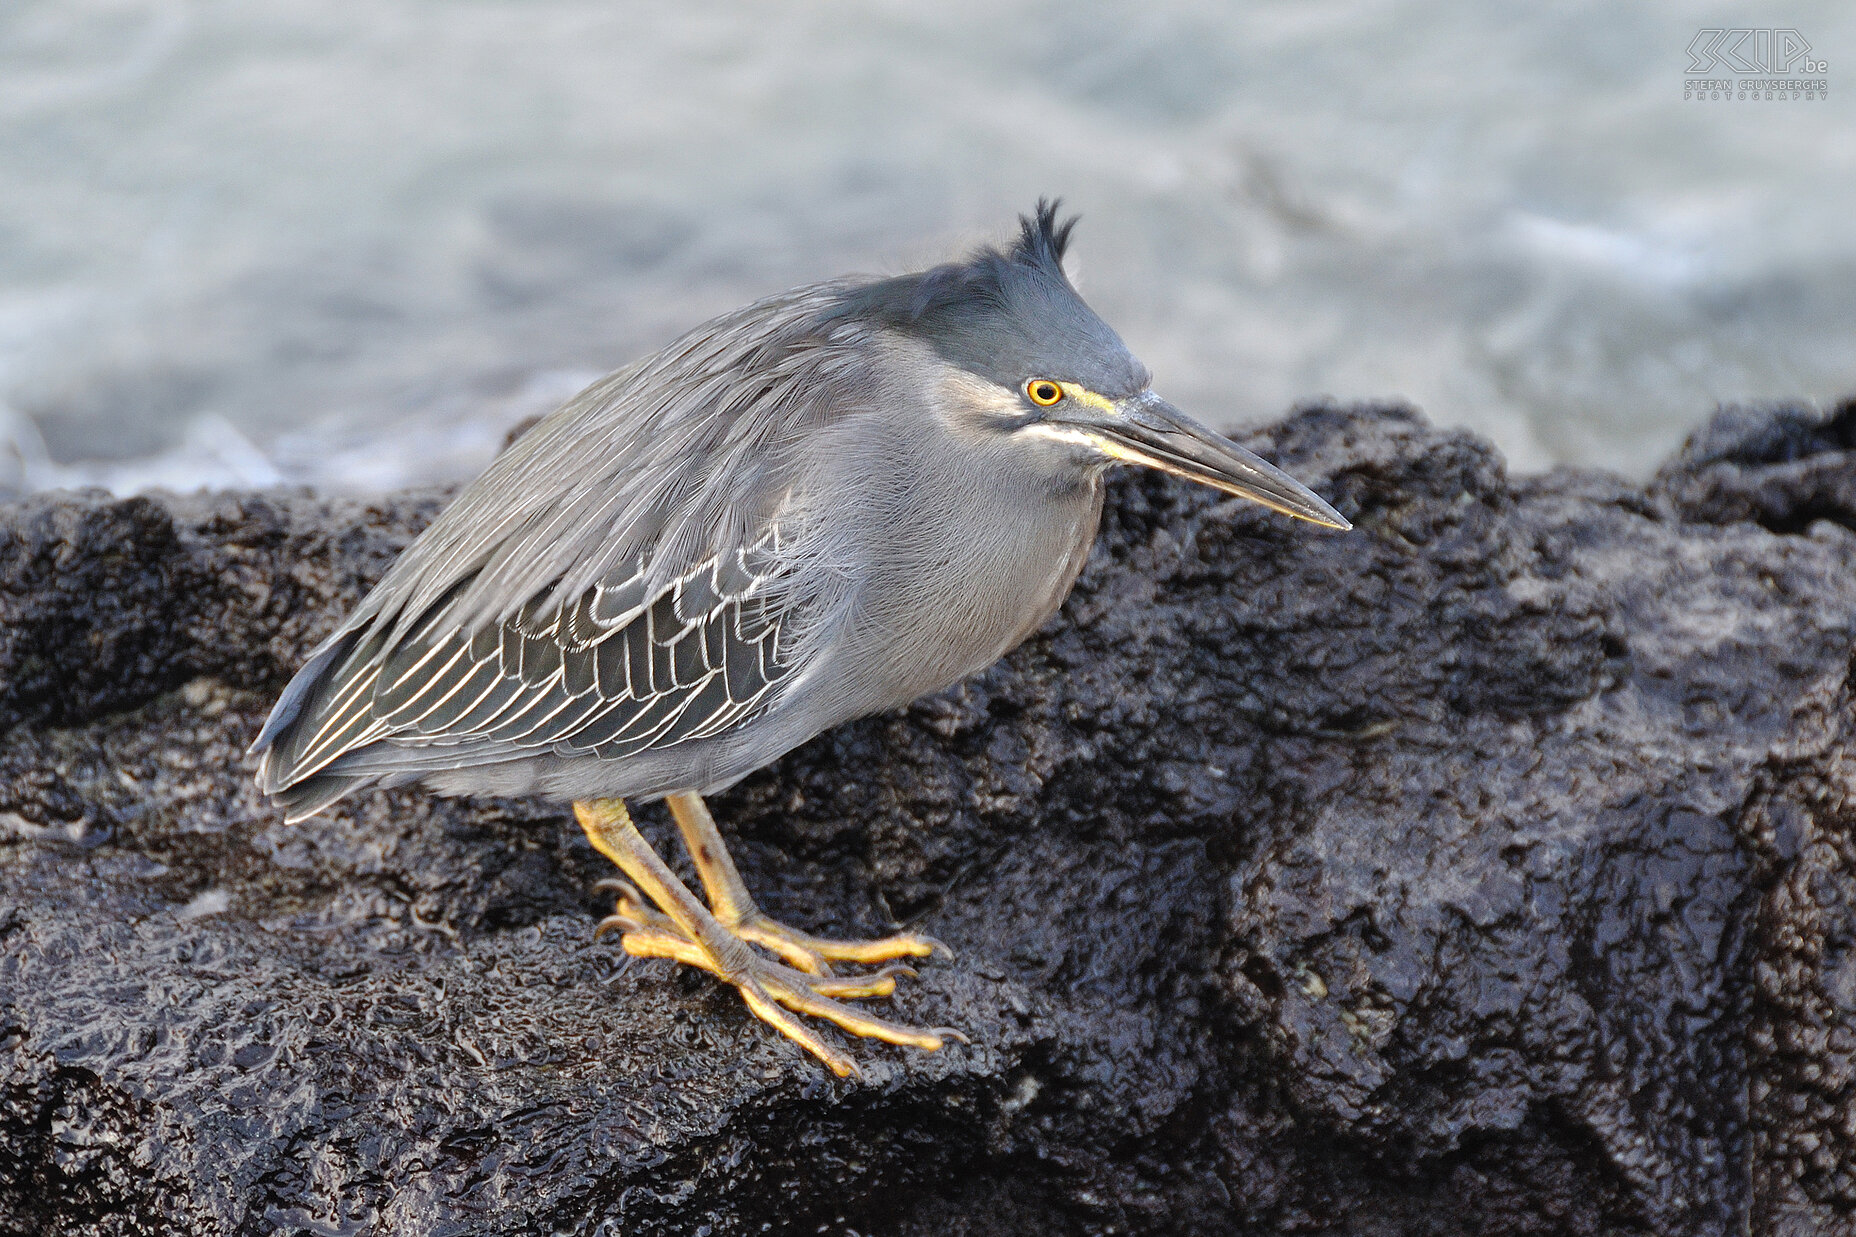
(983, 283)
(1042, 240)
(1005, 314)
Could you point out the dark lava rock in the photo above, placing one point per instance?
(1489, 869)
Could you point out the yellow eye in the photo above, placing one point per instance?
(1043, 392)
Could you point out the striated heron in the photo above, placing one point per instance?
(818, 507)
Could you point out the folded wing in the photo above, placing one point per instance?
(619, 670)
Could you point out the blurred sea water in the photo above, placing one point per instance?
(349, 243)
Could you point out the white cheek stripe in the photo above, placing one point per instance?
(1096, 442)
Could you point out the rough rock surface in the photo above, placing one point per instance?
(1489, 869)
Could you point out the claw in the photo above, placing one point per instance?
(626, 891)
(614, 923)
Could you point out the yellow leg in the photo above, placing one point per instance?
(734, 906)
(682, 928)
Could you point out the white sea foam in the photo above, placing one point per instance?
(349, 243)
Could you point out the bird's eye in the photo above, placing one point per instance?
(1043, 392)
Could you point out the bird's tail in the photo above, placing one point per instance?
(303, 799)
(291, 758)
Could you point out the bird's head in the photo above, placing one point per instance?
(1025, 364)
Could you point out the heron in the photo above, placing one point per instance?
(818, 507)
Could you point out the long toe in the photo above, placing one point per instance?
(816, 953)
(801, 996)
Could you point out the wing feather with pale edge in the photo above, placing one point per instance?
(612, 674)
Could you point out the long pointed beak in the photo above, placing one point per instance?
(1149, 431)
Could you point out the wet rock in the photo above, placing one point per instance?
(1487, 869)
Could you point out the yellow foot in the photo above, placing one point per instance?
(771, 988)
